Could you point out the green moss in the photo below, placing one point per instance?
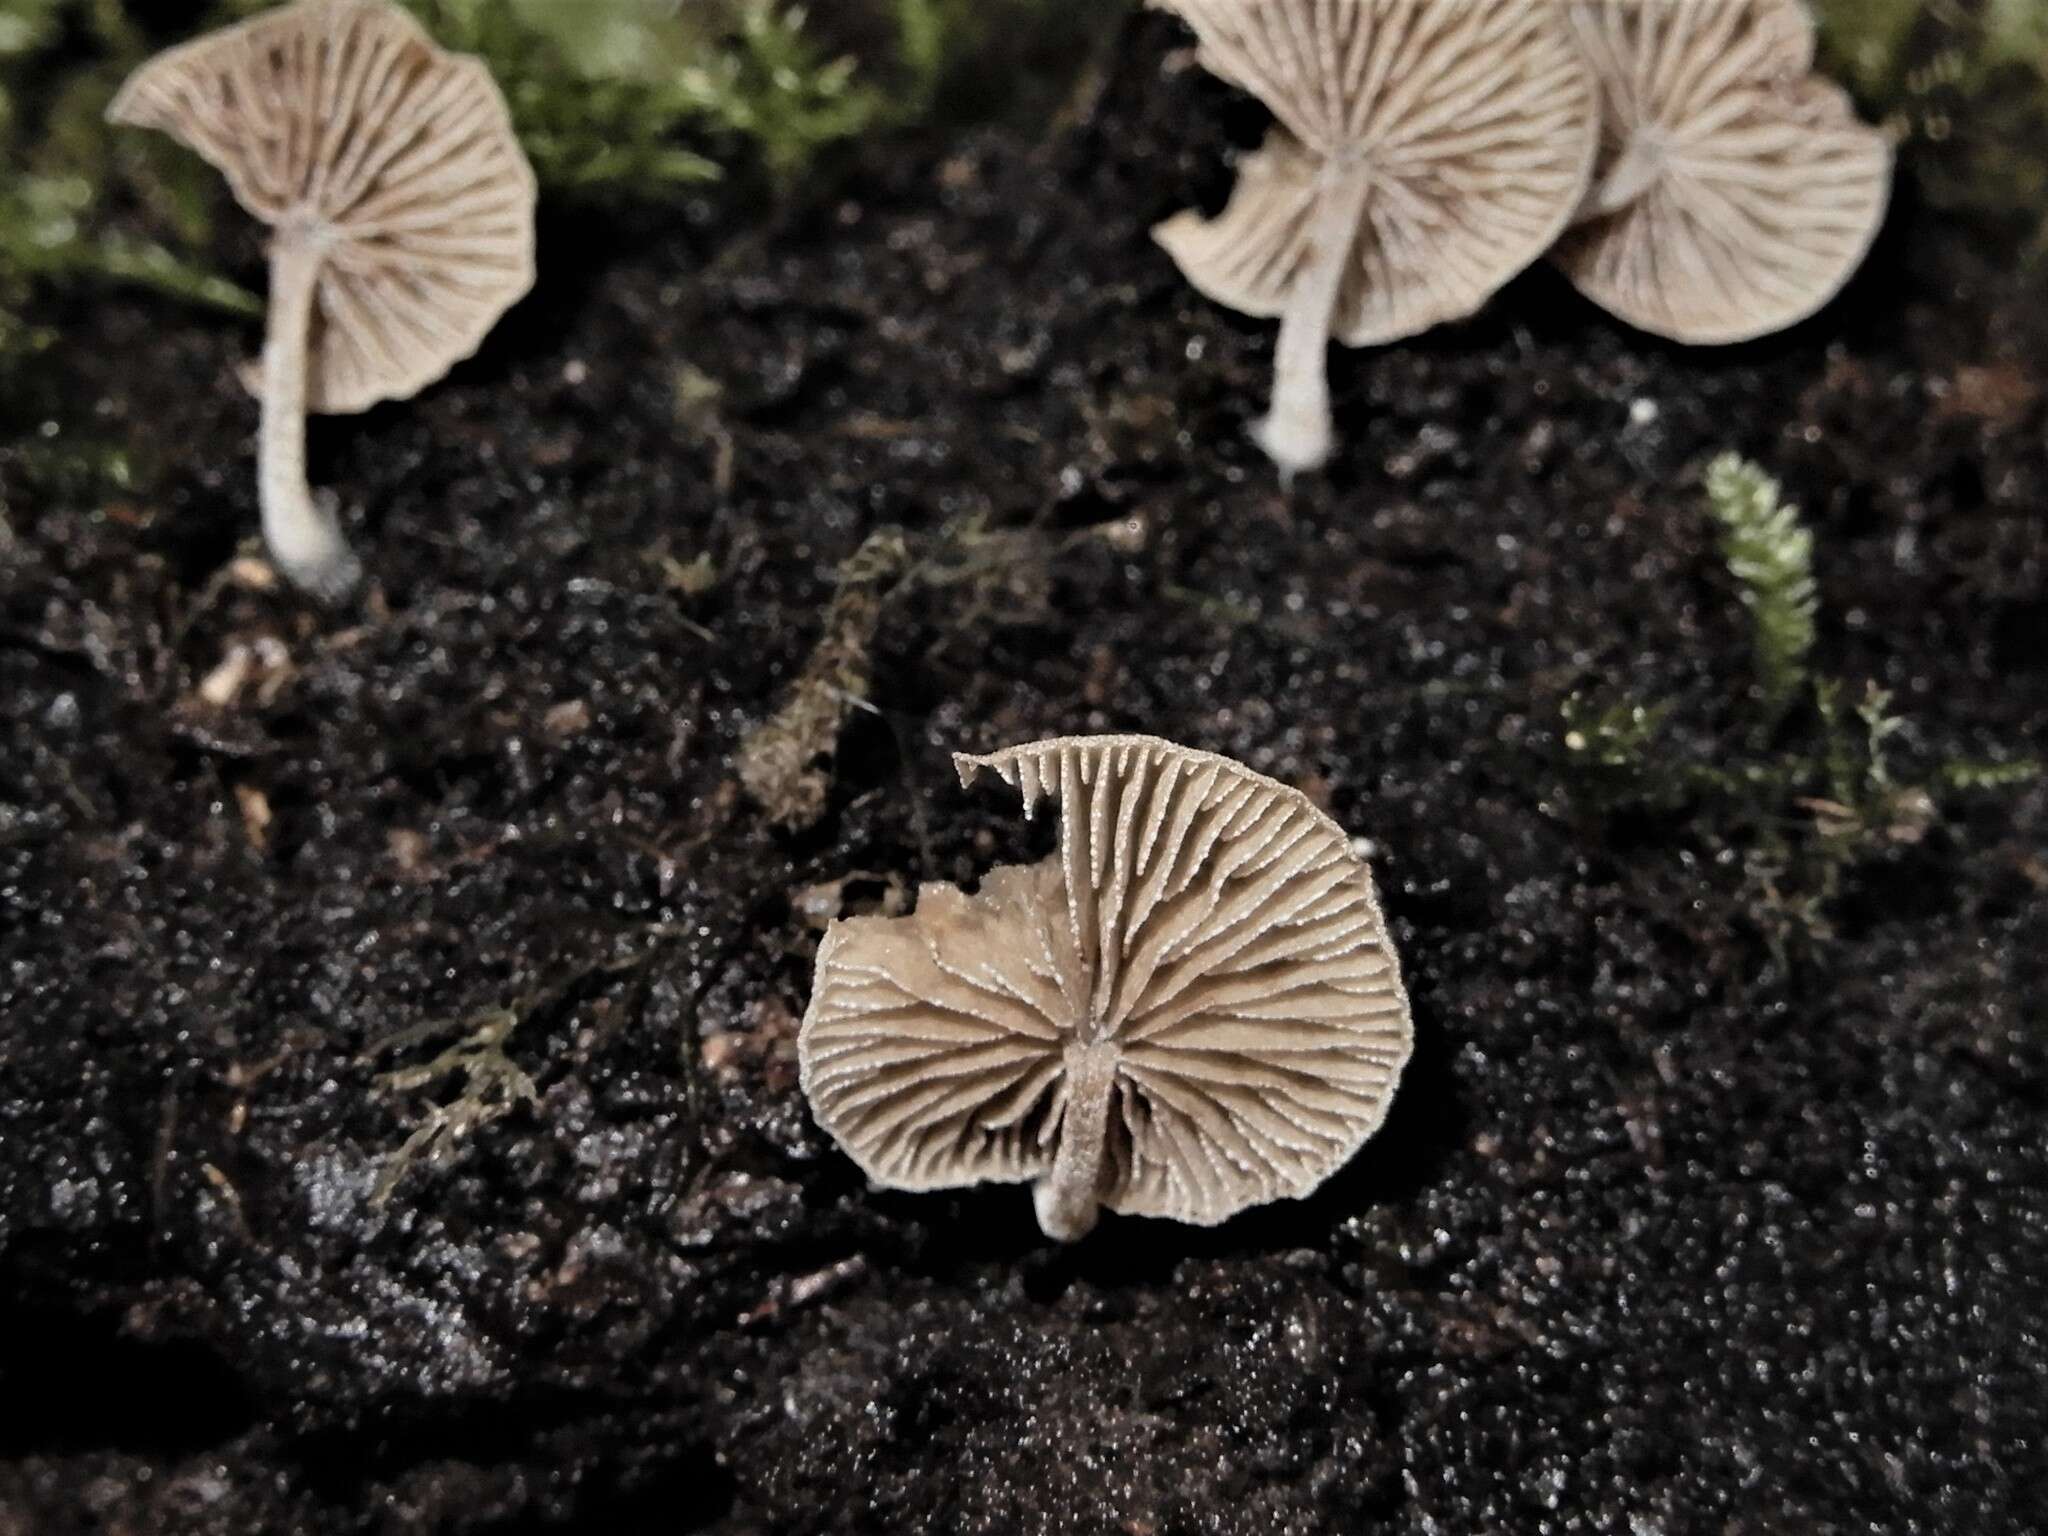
(616, 102)
(1964, 85)
(1799, 779)
(1972, 775)
(970, 579)
(1610, 744)
(492, 1086)
(591, 85)
(786, 762)
(1865, 42)
(476, 1060)
(1770, 553)
(46, 233)
(771, 84)
(621, 100)
(78, 204)
(61, 173)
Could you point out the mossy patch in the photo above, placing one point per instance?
(73, 192)
(1801, 782)
(786, 762)
(976, 578)
(1964, 85)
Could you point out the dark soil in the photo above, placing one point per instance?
(1661, 1236)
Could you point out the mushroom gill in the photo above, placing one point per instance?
(1190, 1008)
(1736, 191)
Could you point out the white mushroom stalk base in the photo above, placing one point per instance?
(1296, 431)
(1069, 1198)
(303, 536)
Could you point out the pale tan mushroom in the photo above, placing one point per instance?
(1190, 1008)
(1424, 153)
(1736, 191)
(402, 214)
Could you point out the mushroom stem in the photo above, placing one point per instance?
(1295, 431)
(304, 538)
(1641, 163)
(1069, 1198)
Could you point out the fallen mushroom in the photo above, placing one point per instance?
(1736, 191)
(1423, 153)
(1190, 1008)
(402, 215)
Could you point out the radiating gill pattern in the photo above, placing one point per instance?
(933, 1046)
(1475, 119)
(1235, 954)
(343, 115)
(1657, 64)
(1735, 192)
(1207, 925)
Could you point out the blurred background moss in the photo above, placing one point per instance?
(623, 103)
(620, 103)
(1964, 85)
(61, 170)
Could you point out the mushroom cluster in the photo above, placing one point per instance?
(401, 209)
(1190, 1008)
(1679, 161)
(1421, 155)
(1736, 190)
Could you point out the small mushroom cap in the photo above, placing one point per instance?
(340, 121)
(931, 1041)
(1210, 925)
(1760, 191)
(1475, 119)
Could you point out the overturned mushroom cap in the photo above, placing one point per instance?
(340, 119)
(1472, 122)
(1736, 191)
(1190, 1008)
(1425, 152)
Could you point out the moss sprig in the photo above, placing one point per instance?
(1803, 778)
(1769, 552)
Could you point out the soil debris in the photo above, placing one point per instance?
(786, 763)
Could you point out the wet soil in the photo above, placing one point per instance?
(1661, 1236)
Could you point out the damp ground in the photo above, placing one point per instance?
(1665, 1233)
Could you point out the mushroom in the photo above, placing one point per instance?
(1190, 1008)
(401, 210)
(1736, 191)
(1423, 154)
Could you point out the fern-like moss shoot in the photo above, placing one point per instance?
(1770, 553)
